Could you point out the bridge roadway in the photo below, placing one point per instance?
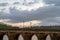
(27, 33)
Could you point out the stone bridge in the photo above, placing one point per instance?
(27, 33)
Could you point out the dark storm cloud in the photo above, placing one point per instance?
(16, 3)
(40, 14)
(51, 21)
(56, 2)
(3, 4)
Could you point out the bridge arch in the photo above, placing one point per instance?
(20, 37)
(34, 37)
(48, 37)
(5, 37)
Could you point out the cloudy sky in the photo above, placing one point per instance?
(30, 12)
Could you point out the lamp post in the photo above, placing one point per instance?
(23, 23)
(30, 24)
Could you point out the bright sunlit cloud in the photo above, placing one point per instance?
(22, 24)
(22, 5)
